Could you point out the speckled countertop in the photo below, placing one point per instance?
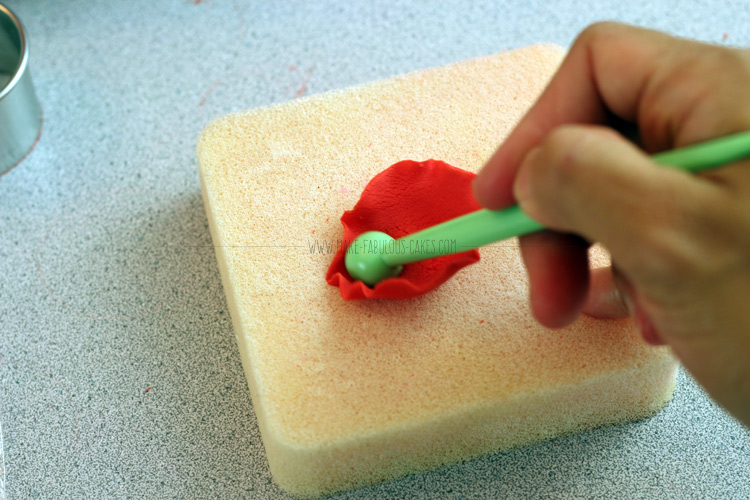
(119, 374)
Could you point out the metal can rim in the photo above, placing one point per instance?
(24, 56)
(21, 115)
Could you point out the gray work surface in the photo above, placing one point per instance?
(120, 377)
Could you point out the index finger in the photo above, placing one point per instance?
(604, 73)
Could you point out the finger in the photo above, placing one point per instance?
(558, 270)
(612, 296)
(590, 181)
(605, 299)
(605, 71)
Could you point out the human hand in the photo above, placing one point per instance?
(680, 243)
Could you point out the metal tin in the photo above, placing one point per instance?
(20, 113)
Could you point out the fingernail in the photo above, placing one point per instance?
(647, 329)
(626, 300)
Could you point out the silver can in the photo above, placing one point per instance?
(20, 112)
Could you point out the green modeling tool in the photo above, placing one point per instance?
(374, 256)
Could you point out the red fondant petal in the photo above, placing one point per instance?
(401, 200)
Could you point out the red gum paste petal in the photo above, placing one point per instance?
(403, 199)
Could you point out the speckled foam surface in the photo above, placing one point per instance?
(108, 279)
(348, 394)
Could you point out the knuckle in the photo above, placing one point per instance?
(665, 102)
(686, 248)
(562, 151)
(690, 96)
(665, 256)
(723, 58)
(720, 236)
(598, 30)
(662, 265)
(555, 172)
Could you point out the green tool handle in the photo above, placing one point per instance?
(482, 227)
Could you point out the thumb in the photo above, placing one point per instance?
(591, 181)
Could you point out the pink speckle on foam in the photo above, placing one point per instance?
(344, 190)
